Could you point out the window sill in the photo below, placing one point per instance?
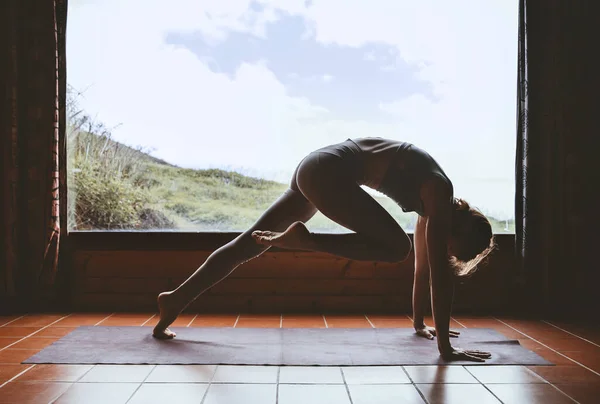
(174, 241)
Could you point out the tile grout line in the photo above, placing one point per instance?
(481, 383)
(16, 376)
(104, 319)
(190, 323)
(12, 321)
(35, 332)
(412, 383)
(325, 320)
(346, 385)
(145, 322)
(553, 350)
(458, 322)
(236, 321)
(564, 394)
(209, 385)
(372, 326)
(141, 384)
(568, 332)
(277, 386)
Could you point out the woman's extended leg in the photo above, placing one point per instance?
(326, 181)
(292, 206)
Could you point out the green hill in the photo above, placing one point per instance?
(117, 187)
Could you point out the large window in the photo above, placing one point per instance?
(191, 115)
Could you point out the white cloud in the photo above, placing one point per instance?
(170, 100)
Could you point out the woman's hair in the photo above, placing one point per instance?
(473, 232)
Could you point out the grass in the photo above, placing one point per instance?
(113, 186)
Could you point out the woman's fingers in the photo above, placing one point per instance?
(473, 358)
(479, 354)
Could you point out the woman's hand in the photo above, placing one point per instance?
(429, 332)
(457, 354)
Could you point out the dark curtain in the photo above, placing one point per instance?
(32, 126)
(557, 161)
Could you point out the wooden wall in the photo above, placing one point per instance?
(125, 272)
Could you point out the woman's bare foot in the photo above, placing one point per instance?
(168, 314)
(296, 236)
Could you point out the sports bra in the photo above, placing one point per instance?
(408, 168)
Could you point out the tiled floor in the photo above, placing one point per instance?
(574, 349)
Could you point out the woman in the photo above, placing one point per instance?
(450, 237)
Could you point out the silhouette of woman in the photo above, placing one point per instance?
(450, 237)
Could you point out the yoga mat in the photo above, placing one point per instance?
(275, 346)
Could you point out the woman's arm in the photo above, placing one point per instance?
(421, 285)
(421, 280)
(437, 198)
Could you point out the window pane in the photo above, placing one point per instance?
(192, 116)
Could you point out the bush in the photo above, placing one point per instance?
(105, 201)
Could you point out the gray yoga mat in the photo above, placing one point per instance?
(274, 346)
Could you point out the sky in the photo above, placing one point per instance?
(254, 85)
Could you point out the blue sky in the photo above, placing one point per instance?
(254, 85)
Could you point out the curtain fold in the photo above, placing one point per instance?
(32, 127)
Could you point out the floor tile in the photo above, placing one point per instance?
(182, 374)
(31, 393)
(7, 319)
(117, 374)
(81, 319)
(375, 375)
(245, 374)
(258, 323)
(267, 317)
(391, 323)
(569, 344)
(6, 341)
(457, 394)
(34, 343)
(7, 371)
(566, 374)
(504, 374)
(16, 355)
(208, 320)
(98, 393)
(584, 393)
(486, 322)
(385, 394)
(310, 375)
(546, 353)
(529, 393)
(55, 373)
(242, 394)
(17, 332)
(54, 332)
(35, 320)
(126, 319)
(300, 321)
(439, 374)
(397, 317)
(313, 394)
(162, 393)
(347, 322)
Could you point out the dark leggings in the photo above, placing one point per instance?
(323, 182)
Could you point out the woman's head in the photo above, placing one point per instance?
(471, 240)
